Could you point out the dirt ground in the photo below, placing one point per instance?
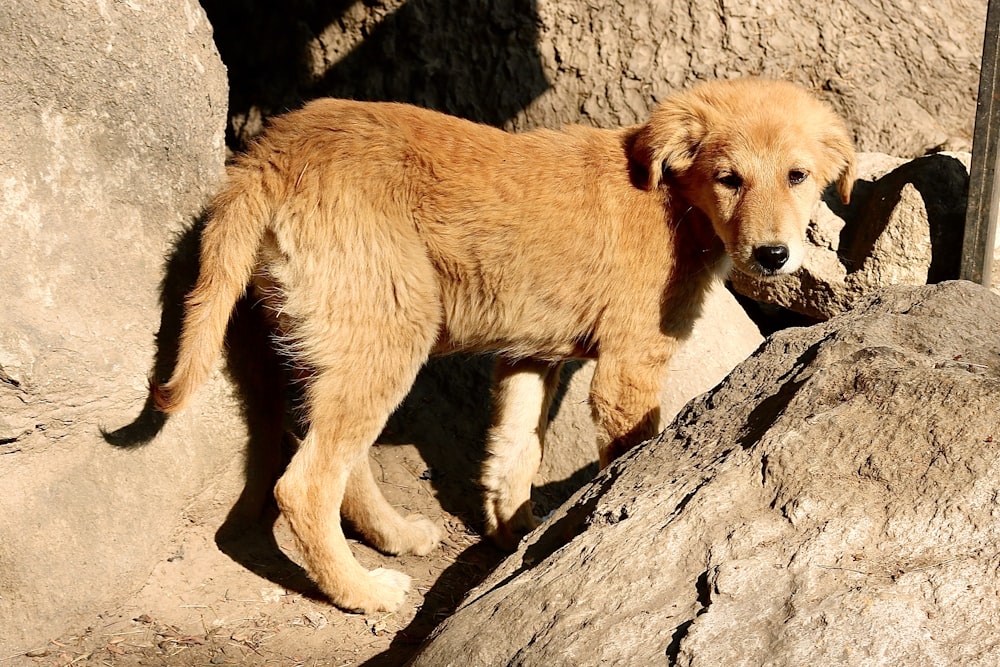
(229, 591)
(244, 601)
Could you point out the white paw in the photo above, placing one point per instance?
(388, 590)
(426, 535)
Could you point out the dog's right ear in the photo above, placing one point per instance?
(668, 142)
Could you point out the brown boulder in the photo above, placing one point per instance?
(833, 501)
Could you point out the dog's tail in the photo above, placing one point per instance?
(229, 244)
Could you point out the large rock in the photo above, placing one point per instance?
(832, 502)
(904, 226)
(113, 117)
(528, 63)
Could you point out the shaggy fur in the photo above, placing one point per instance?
(379, 234)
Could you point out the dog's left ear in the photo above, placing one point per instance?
(839, 150)
(845, 182)
(668, 142)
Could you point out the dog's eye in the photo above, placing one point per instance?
(796, 176)
(730, 180)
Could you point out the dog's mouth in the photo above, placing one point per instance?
(762, 273)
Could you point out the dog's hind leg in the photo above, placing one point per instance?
(365, 508)
(345, 417)
(312, 489)
(364, 331)
(522, 394)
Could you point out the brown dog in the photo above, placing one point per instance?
(380, 234)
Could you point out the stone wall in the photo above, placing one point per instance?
(113, 117)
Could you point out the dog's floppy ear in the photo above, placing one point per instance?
(845, 182)
(669, 140)
(839, 153)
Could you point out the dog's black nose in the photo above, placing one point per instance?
(771, 257)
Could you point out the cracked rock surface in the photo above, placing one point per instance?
(905, 79)
(833, 501)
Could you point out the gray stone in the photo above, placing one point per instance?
(832, 502)
(112, 117)
(905, 77)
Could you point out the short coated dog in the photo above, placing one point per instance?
(379, 234)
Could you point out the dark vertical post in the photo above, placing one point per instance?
(984, 191)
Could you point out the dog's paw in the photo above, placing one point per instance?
(506, 527)
(424, 535)
(369, 592)
(415, 534)
(355, 589)
(386, 590)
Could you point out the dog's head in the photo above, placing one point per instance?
(754, 156)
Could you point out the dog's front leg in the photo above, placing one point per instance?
(522, 394)
(625, 400)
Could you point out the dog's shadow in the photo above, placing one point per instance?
(264, 396)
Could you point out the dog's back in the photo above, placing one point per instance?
(515, 238)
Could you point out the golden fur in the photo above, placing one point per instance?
(379, 234)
